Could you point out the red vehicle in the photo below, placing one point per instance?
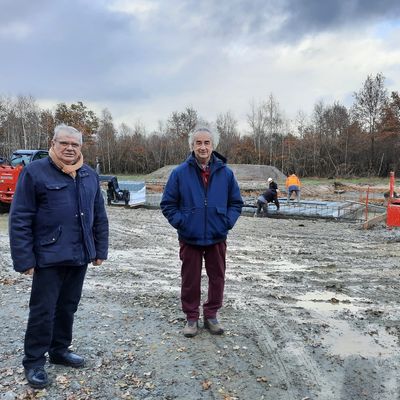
(9, 173)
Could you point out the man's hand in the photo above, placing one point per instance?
(97, 262)
(29, 271)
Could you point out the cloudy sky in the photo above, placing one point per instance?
(144, 59)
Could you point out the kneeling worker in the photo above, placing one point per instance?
(268, 196)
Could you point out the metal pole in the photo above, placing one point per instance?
(391, 193)
(366, 205)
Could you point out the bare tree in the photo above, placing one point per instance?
(318, 126)
(368, 108)
(178, 127)
(336, 136)
(274, 125)
(229, 135)
(257, 121)
(106, 140)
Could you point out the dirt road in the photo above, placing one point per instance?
(312, 311)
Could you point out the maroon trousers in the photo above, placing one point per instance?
(215, 264)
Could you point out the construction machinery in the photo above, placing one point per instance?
(115, 195)
(10, 171)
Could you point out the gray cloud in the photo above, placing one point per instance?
(80, 49)
(311, 16)
(286, 19)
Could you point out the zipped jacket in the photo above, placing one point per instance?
(202, 215)
(56, 219)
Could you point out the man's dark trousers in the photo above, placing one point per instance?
(55, 295)
(215, 265)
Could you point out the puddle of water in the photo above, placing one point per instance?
(342, 339)
(278, 266)
(287, 266)
(326, 301)
(345, 342)
(129, 287)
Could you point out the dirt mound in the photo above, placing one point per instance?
(160, 174)
(243, 172)
(249, 172)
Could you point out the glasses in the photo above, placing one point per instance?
(66, 144)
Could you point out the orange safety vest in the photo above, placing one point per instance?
(292, 180)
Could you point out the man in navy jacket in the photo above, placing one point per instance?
(58, 224)
(202, 201)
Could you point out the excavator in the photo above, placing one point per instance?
(115, 195)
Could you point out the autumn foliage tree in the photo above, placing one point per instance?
(334, 141)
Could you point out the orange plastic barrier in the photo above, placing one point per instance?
(393, 207)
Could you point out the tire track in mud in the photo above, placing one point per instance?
(348, 257)
(269, 348)
(300, 373)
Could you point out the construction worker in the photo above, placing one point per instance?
(268, 196)
(273, 187)
(293, 186)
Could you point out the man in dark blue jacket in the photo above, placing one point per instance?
(58, 224)
(202, 201)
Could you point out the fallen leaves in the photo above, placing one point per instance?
(7, 372)
(206, 384)
(41, 393)
(8, 281)
(62, 380)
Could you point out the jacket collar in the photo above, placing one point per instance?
(217, 160)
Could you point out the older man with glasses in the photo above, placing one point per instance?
(58, 224)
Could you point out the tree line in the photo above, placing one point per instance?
(334, 141)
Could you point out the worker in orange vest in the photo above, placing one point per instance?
(293, 186)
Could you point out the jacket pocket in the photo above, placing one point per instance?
(57, 193)
(217, 222)
(192, 226)
(52, 238)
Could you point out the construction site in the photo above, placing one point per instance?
(360, 204)
(311, 307)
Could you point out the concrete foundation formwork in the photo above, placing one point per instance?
(307, 209)
(336, 210)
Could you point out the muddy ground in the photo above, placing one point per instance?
(312, 311)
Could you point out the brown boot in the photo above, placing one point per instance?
(191, 328)
(213, 326)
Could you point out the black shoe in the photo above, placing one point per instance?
(68, 359)
(37, 377)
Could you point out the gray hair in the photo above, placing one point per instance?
(204, 128)
(70, 130)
